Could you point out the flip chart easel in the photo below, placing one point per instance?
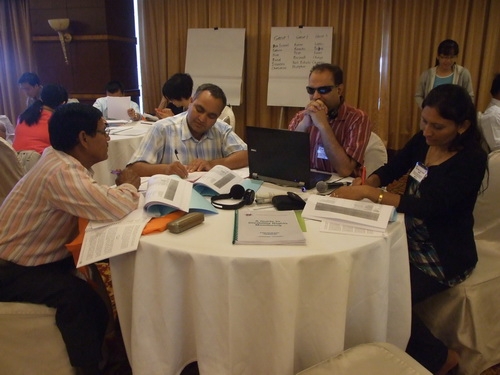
(216, 56)
(294, 51)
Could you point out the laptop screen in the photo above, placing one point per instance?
(280, 156)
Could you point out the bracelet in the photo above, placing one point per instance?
(380, 197)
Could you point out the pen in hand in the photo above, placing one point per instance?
(363, 175)
(176, 154)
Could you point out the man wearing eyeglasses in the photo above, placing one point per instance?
(40, 216)
(339, 133)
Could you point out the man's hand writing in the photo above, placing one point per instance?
(178, 169)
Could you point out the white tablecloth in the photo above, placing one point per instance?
(120, 149)
(255, 310)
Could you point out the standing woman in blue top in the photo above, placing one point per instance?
(445, 71)
(446, 164)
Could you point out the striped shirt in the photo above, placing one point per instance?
(41, 213)
(172, 134)
(351, 127)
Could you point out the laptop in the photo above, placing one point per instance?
(281, 157)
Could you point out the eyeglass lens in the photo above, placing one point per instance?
(321, 90)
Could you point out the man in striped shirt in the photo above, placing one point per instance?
(339, 133)
(40, 216)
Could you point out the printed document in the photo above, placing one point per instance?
(218, 180)
(105, 240)
(362, 214)
(267, 227)
(167, 193)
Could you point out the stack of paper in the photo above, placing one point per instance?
(344, 215)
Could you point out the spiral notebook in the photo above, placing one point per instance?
(267, 228)
(281, 157)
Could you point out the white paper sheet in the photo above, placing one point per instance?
(105, 240)
(361, 214)
(118, 106)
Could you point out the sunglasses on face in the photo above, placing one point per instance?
(322, 90)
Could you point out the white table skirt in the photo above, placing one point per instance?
(240, 309)
(120, 150)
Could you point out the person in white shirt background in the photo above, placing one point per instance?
(115, 88)
(490, 120)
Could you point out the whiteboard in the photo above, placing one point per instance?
(294, 51)
(216, 56)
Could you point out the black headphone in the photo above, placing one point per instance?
(237, 192)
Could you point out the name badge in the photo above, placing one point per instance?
(320, 153)
(419, 172)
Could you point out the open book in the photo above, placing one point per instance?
(167, 193)
(217, 180)
(361, 214)
(267, 227)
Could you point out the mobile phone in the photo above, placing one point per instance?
(185, 222)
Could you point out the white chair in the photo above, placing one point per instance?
(12, 171)
(227, 115)
(375, 154)
(372, 358)
(28, 159)
(30, 342)
(466, 316)
(9, 128)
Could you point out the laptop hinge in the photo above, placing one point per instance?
(278, 181)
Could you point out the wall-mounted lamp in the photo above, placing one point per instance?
(61, 25)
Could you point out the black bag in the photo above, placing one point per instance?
(291, 201)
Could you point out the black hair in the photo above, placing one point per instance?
(52, 96)
(337, 73)
(113, 86)
(454, 103)
(214, 90)
(178, 87)
(68, 121)
(30, 78)
(447, 47)
(495, 85)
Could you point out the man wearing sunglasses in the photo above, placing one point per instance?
(339, 133)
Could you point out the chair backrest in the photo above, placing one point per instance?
(487, 208)
(9, 128)
(12, 171)
(28, 159)
(375, 154)
(489, 128)
(227, 115)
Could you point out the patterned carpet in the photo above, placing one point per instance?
(118, 364)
